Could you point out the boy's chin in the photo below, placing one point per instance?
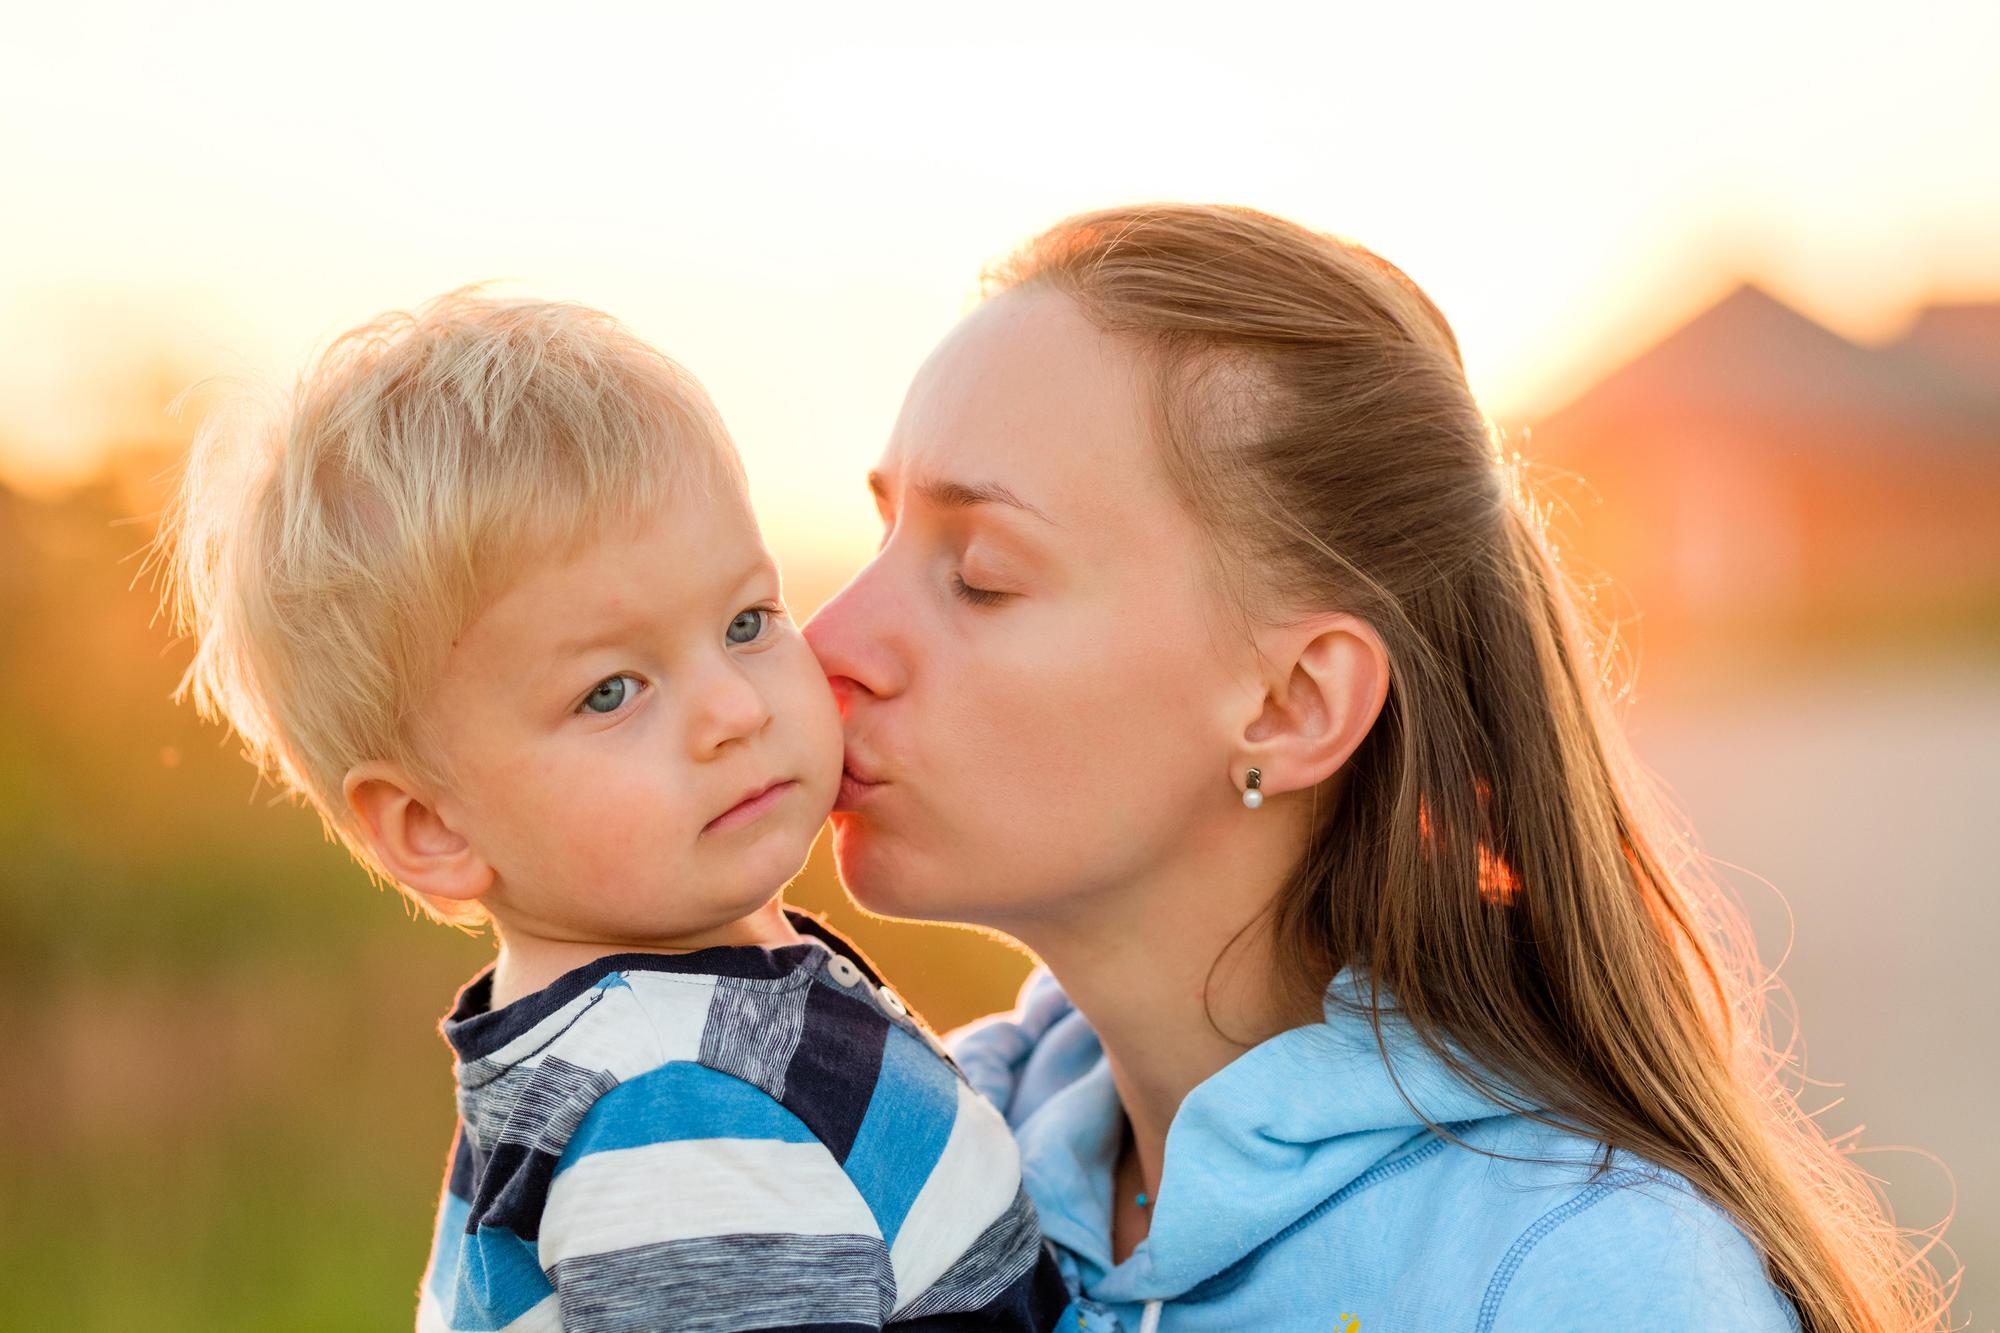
(773, 862)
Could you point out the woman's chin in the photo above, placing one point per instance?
(880, 881)
(883, 894)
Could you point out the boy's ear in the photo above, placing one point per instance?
(1326, 681)
(408, 837)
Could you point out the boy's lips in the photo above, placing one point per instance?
(751, 806)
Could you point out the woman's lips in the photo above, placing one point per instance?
(853, 790)
(743, 812)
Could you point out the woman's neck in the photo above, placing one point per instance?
(1175, 974)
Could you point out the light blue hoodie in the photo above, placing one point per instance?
(1301, 1191)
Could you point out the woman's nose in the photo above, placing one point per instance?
(855, 640)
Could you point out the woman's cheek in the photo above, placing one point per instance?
(1052, 747)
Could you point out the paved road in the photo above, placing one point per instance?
(1870, 800)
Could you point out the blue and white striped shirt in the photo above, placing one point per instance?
(732, 1139)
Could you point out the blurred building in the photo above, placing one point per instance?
(1755, 472)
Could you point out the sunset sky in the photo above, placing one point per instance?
(798, 214)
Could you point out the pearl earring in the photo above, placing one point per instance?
(1252, 796)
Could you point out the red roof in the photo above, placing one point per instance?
(1753, 361)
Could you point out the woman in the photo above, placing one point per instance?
(1213, 653)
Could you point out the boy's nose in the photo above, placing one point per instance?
(733, 709)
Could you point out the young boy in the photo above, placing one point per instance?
(490, 597)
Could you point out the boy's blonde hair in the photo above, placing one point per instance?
(325, 556)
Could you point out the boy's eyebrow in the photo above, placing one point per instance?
(959, 495)
(602, 636)
(616, 629)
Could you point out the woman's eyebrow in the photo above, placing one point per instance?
(960, 495)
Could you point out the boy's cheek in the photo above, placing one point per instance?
(808, 708)
(827, 742)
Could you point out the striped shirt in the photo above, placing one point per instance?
(736, 1138)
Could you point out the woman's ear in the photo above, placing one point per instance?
(1326, 681)
(408, 837)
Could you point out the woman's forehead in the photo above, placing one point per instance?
(1026, 394)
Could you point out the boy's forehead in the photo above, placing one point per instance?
(672, 565)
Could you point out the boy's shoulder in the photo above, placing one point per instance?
(738, 1083)
(810, 1025)
(822, 1037)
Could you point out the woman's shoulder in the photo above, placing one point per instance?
(1518, 1224)
(1571, 1242)
(1016, 1059)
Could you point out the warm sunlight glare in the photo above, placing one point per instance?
(798, 223)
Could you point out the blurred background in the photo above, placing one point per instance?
(1727, 273)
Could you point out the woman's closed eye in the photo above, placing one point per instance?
(611, 694)
(976, 596)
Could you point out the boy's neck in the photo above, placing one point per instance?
(530, 956)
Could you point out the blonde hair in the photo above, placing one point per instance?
(326, 554)
(1496, 862)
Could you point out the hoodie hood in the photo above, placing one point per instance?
(1254, 1150)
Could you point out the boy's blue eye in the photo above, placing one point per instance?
(610, 694)
(748, 625)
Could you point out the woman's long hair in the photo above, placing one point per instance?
(1495, 861)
